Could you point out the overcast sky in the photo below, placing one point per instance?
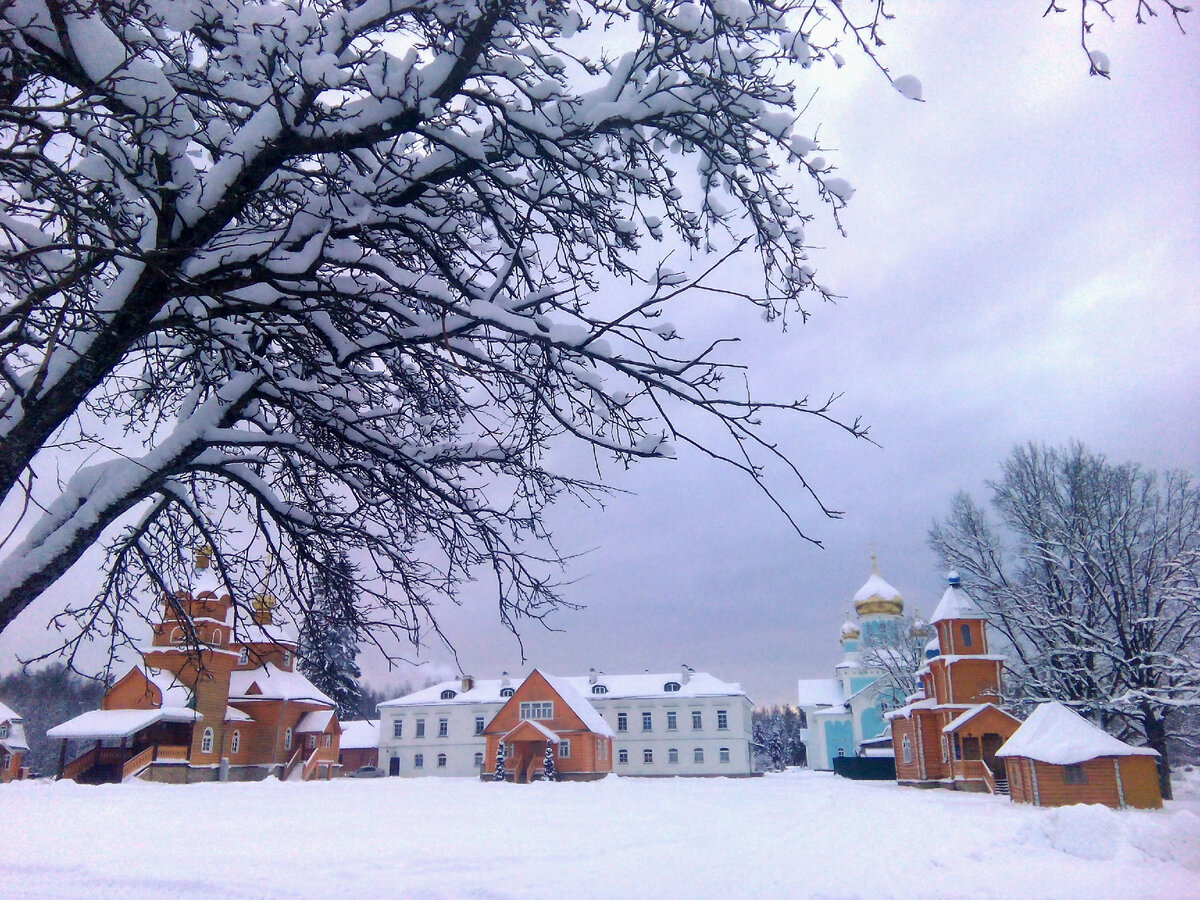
(1022, 262)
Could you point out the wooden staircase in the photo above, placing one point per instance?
(1001, 786)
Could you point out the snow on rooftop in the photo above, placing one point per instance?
(616, 687)
(819, 692)
(362, 734)
(537, 726)
(315, 721)
(1058, 735)
(174, 692)
(875, 586)
(7, 714)
(274, 684)
(586, 712)
(236, 715)
(956, 603)
(118, 723)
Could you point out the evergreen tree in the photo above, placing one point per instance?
(329, 639)
(45, 698)
(499, 776)
(549, 770)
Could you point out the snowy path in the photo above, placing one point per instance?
(794, 835)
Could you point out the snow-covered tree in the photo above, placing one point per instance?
(776, 738)
(900, 658)
(329, 637)
(549, 769)
(499, 774)
(1093, 578)
(295, 277)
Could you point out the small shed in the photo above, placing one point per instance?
(1057, 758)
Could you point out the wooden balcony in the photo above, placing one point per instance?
(152, 754)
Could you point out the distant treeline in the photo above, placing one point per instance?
(777, 740)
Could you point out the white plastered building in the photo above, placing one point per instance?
(677, 724)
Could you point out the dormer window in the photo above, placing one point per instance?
(599, 689)
(3, 730)
(449, 695)
(671, 686)
(506, 692)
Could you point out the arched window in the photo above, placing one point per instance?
(287, 739)
(479, 759)
(906, 750)
(177, 635)
(448, 695)
(622, 756)
(965, 631)
(673, 755)
(243, 656)
(698, 755)
(945, 749)
(841, 751)
(506, 692)
(671, 686)
(441, 761)
(647, 755)
(724, 754)
(236, 742)
(216, 636)
(599, 689)
(206, 742)
(419, 761)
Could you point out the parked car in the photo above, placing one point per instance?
(367, 772)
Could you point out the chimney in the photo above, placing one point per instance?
(504, 682)
(202, 557)
(686, 674)
(468, 682)
(591, 676)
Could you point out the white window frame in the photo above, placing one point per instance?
(206, 742)
(419, 761)
(327, 740)
(647, 720)
(244, 656)
(397, 728)
(287, 659)
(722, 720)
(698, 755)
(647, 756)
(622, 721)
(420, 728)
(564, 749)
(479, 725)
(235, 742)
(673, 755)
(443, 727)
(906, 750)
(479, 757)
(441, 760)
(723, 755)
(697, 720)
(287, 739)
(622, 757)
(536, 710)
(672, 720)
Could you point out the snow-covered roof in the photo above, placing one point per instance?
(360, 735)
(118, 723)
(839, 710)
(956, 603)
(274, 684)
(617, 687)
(586, 712)
(849, 630)
(316, 721)
(236, 715)
(537, 726)
(905, 712)
(16, 730)
(819, 692)
(174, 691)
(1058, 735)
(964, 717)
(875, 586)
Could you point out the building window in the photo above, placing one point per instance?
(287, 659)
(906, 750)
(542, 710)
(698, 755)
(957, 747)
(327, 740)
(1074, 775)
(841, 751)
(722, 720)
(3, 730)
(311, 741)
(671, 686)
(697, 722)
(647, 755)
(287, 739)
(398, 728)
(647, 721)
(622, 756)
(564, 749)
(479, 758)
(236, 742)
(419, 761)
(216, 636)
(206, 742)
(506, 692)
(441, 760)
(479, 724)
(420, 728)
(601, 748)
(443, 727)
(243, 656)
(673, 755)
(672, 720)
(599, 689)
(945, 749)
(965, 631)
(622, 722)
(508, 750)
(448, 695)
(724, 754)
(176, 635)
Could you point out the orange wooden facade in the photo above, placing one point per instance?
(581, 753)
(12, 746)
(1114, 781)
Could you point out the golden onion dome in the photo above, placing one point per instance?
(850, 631)
(877, 597)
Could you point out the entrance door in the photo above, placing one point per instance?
(394, 766)
(992, 743)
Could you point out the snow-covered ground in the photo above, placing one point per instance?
(795, 835)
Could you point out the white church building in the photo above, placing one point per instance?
(677, 724)
(849, 709)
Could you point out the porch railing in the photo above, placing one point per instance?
(97, 756)
(321, 756)
(154, 753)
(978, 770)
(291, 764)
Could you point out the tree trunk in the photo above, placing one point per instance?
(1155, 725)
